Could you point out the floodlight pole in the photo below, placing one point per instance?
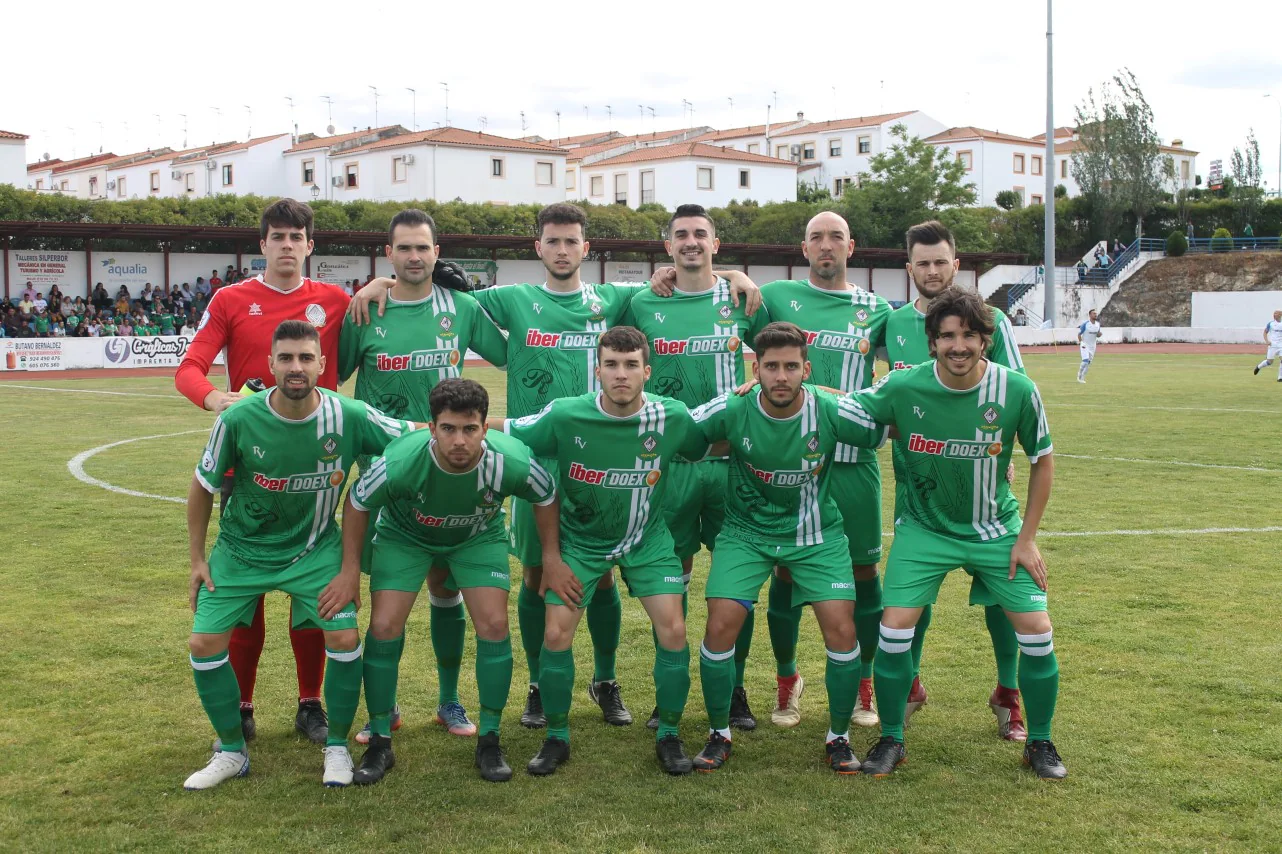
(1048, 169)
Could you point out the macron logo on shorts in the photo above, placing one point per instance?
(345, 615)
(843, 585)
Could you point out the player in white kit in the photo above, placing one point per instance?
(1087, 336)
(1273, 338)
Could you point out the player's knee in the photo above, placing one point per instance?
(724, 622)
(204, 646)
(900, 618)
(557, 636)
(343, 640)
(491, 626)
(840, 635)
(671, 631)
(1030, 622)
(386, 626)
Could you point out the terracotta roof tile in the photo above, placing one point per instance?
(971, 132)
(845, 124)
(458, 136)
(8, 134)
(327, 141)
(584, 139)
(687, 149)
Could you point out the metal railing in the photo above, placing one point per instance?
(1016, 290)
(1229, 244)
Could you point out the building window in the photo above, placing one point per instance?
(309, 172)
(596, 185)
(352, 175)
(40, 183)
(1037, 165)
(227, 175)
(569, 179)
(189, 181)
(1019, 164)
(834, 147)
(647, 187)
(543, 174)
(63, 186)
(839, 186)
(754, 148)
(967, 159)
(744, 182)
(865, 144)
(704, 178)
(621, 188)
(807, 151)
(93, 186)
(400, 172)
(120, 187)
(781, 151)
(154, 177)
(1036, 199)
(1063, 168)
(496, 167)
(1019, 191)
(1184, 170)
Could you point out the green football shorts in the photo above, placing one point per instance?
(742, 561)
(237, 587)
(856, 487)
(694, 505)
(651, 569)
(523, 533)
(402, 563)
(919, 560)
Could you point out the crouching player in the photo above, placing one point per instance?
(958, 417)
(439, 498)
(291, 448)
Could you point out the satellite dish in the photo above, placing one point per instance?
(330, 130)
(46, 156)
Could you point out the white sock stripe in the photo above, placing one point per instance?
(715, 656)
(1037, 651)
(844, 656)
(898, 634)
(345, 656)
(886, 646)
(207, 665)
(445, 603)
(1042, 638)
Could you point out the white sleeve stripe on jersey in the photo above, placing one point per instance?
(373, 479)
(214, 447)
(707, 410)
(852, 411)
(204, 484)
(1045, 452)
(541, 481)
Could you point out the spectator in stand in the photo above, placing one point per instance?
(29, 293)
(82, 331)
(165, 320)
(66, 307)
(56, 317)
(4, 330)
(187, 328)
(244, 273)
(147, 294)
(55, 297)
(12, 322)
(123, 291)
(59, 331)
(125, 329)
(214, 282)
(109, 328)
(73, 323)
(26, 306)
(198, 304)
(202, 287)
(41, 324)
(25, 331)
(122, 305)
(100, 298)
(78, 306)
(41, 303)
(1020, 319)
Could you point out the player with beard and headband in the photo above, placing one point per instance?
(552, 330)
(422, 338)
(614, 449)
(933, 264)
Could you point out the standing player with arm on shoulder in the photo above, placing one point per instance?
(697, 341)
(240, 322)
(1087, 337)
(290, 449)
(422, 338)
(933, 265)
(958, 418)
(779, 512)
(439, 500)
(614, 449)
(1273, 340)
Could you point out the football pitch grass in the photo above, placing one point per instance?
(1162, 539)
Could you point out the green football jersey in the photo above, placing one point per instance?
(418, 499)
(956, 446)
(696, 341)
(402, 355)
(843, 331)
(289, 474)
(551, 344)
(610, 469)
(906, 343)
(778, 483)
(166, 323)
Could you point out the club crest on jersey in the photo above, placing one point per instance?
(842, 342)
(255, 310)
(957, 449)
(330, 446)
(595, 308)
(315, 315)
(861, 315)
(699, 345)
(649, 443)
(561, 340)
(990, 415)
(488, 497)
(725, 311)
(447, 323)
(615, 478)
(812, 445)
(311, 482)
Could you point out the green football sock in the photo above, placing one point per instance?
(493, 680)
(784, 622)
(531, 618)
(220, 695)
(605, 625)
(1038, 682)
(893, 679)
(743, 645)
(1005, 646)
(923, 623)
(557, 685)
(841, 678)
(716, 672)
(448, 627)
(343, 675)
(867, 622)
(671, 687)
(382, 665)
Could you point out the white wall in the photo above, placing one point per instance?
(441, 172)
(1030, 337)
(138, 181)
(1235, 308)
(534, 273)
(13, 162)
(993, 168)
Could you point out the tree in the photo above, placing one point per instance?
(1247, 175)
(910, 181)
(1008, 200)
(811, 192)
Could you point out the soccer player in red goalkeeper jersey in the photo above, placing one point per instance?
(240, 320)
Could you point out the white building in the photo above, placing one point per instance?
(84, 177)
(307, 163)
(449, 163)
(996, 162)
(236, 168)
(13, 158)
(150, 177)
(685, 173)
(1067, 140)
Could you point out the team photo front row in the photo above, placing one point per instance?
(633, 474)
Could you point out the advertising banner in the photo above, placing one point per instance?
(337, 270)
(45, 269)
(627, 271)
(31, 354)
(161, 351)
(134, 270)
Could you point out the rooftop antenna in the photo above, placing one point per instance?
(329, 105)
(183, 116)
(609, 117)
(291, 116)
(558, 124)
(413, 108)
(485, 123)
(775, 93)
(159, 130)
(218, 124)
(731, 100)
(100, 138)
(686, 105)
(641, 110)
(249, 112)
(882, 108)
(446, 87)
(374, 89)
(72, 131)
(523, 124)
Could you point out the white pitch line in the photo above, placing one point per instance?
(1121, 407)
(76, 465)
(1169, 463)
(93, 391)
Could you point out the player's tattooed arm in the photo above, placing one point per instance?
(200, 506)
(1025, 552)
(557, 577)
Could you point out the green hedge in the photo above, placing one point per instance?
(1222, 240)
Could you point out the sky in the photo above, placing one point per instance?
(162, 73)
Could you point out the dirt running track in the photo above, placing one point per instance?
(1169, 348)
(215, 375)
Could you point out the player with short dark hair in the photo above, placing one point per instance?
(290, 449)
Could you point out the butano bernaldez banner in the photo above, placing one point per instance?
(71, 354)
